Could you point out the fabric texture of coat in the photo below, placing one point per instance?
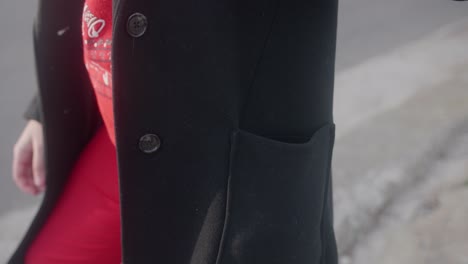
(239, 93)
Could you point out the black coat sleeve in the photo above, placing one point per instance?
(34, 109)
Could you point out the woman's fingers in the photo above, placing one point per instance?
(28, 159)
(22, 165)
(38, 166)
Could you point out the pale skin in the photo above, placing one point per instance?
(28, 159)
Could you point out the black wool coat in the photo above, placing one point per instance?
(223, 119)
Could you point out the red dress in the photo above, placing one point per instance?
(84, 226)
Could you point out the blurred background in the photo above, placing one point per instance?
(400, 162)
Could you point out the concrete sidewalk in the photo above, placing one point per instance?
(428, 224)
(396, 115)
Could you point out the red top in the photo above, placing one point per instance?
(97, 43)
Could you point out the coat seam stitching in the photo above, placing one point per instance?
(233, 143)
(322, 233)
(259, 61)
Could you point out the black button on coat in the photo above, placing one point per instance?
(224, 128)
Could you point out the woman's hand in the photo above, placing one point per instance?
(28, 159)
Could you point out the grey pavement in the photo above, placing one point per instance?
(394, 147)
(401, 94)
(426, 225)
(369, 28)
(17, 83)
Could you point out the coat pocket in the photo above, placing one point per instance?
(276, 193)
